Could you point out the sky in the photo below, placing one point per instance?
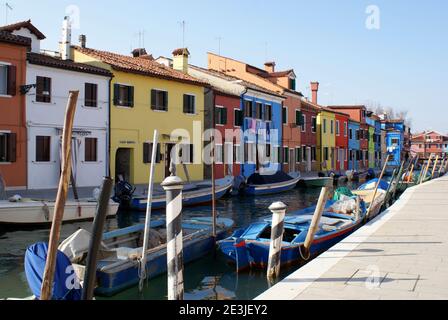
(397, 60)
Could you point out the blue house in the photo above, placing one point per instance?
(353, 144)
(262, 129)
(394, 140)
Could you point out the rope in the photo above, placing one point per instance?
(142, 273)
(302, 256)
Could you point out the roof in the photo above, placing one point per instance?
(14, 39)
(348, 107)
(140, 66)
(244, 83)
(24, 24)
(277, 74)
(48, 61)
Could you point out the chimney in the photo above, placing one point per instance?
(66, 39)
(269, 67)
(314, 90)
(82, 40)
(180, 59)
(137, 53)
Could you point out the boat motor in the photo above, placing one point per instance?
(123, 193)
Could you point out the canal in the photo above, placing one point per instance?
(207, 279)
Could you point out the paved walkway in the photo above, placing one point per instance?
(403, 254)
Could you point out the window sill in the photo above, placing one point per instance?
(91, 108)
(160, 111)
(5, 163)
(91, 162)
(5, 96)
(123, 107)
(43, 162)
(44, 103)
(191, 114)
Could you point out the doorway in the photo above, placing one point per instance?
(123, 164)
(308, 159)
(292, 160)
(332, 158)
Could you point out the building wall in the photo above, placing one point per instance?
(371, 148)
(13, 118)
(341, 141)
(326, 139)
(394, 149)
(353, 145)
(292, 132)
(47, 119)
(309, 137)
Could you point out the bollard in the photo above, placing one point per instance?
(173, 186)
(278, 216)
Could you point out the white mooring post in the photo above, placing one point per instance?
(173, 186)
(278, 210)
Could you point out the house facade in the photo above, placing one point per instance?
(309, 138)
(146, 95)
(293, 121)
(430, 142)
(13, 137)
(394, 140)
(326, 139)
(353, 144)
(341, 140)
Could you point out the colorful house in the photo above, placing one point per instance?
(430, 142)
(394, 140)
(13, 136)
(307, 154)
(283, 83)
(353, 144)
(326, 139)
(145, 96)
(341, 131)
(358, 113)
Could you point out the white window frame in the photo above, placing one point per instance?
(238, 153)
(287, 116)
(234, 118)
(297, 158)
(218, 107)
(218, 155)
(283, 154)
(312, 121)
(338, 128)
(265, 109)
(6, 95)
(228, 158)
(303, 121)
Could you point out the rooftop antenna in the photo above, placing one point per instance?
(7, 7)
(141, 38)
(183, 25)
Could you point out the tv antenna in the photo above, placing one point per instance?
(141, 38)
(183, 26)
(8, 7)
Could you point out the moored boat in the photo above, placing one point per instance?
(258, 184)
(40, 212)
(317, 182)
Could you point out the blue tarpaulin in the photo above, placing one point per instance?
(66, 283)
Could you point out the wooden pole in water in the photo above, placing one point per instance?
(441, 167)
(410, 173)
(97, 237)
(315, 221)
(173, 186)
(376, 188)
(423, 177)
(58, 215)
(143, 275)
(278, 210)
(434, 167)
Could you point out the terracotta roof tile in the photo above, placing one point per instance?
(24, 24)
(275, 74)
(140, 66)
(45, 60)
(11, 38)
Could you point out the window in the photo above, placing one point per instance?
(313, 154)
(147, 153)
(298, 154)
(304, 154)
(303, 123)
(248, 109)
(299, 118)
(350, 133)
(189, 104)
(159, 100)
(8, 74)
(238, 154)
(331, 126)
(91, 150)
(292, 83)
(221, 115)
(268, 113)
(228, 153)
(186, 154)
(259, 111)
(345, 129)
(91, 95)
(3, 79)
(249, 152)
(8, 147)
(238, 118)
(43, 89)
(43, 144)
(285, 115)
(337, 127)
(325, 125)
(313, 124)
(123, 95)
(395, 141)
(326, 153)
(285, 155)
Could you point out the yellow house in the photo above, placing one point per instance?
(144, 96)
(326, 139)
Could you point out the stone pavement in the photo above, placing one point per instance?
(402, 254)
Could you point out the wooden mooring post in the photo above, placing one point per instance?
(173, 186)
(434, 167)
(315, 223)
(278, 210)
(425, 171)
(376, 188)
(58, 215)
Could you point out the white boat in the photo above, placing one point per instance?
(36, 212)
(317, 182)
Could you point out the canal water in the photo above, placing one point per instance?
(210, 278)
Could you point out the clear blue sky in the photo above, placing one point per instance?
(402, 65)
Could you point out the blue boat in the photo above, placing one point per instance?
(118, 268)
(371, 184)
(193, 194)
(258, 184)
(249, 247)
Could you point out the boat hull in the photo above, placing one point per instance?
(41, 213)
(254, 190)
(318, 182)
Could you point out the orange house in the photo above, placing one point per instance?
(13, 50)
(282, 82)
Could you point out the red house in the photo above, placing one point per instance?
(309, 137)
(342, 141)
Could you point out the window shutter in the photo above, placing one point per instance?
(165, 100)
(224, 116)
(116, 94)
(153, 99)
(95, 95)
(299, 118)
(131, 97)
(12, 80)
(12, 147)
(146, 152)
(186, 104)
(88, 95)
(48, 88)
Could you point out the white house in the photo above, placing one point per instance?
(50, 78)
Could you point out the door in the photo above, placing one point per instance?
(292, 160)
(123, 164)
(168, 149)
(332, 158)
(342, 159)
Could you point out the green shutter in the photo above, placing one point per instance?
(224, 116)
(299, 118)
(116, 94)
